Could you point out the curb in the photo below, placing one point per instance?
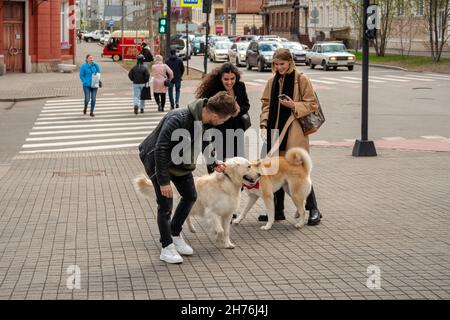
(31, 98)
(383, 66)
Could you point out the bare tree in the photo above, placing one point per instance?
(356, 10)
(387, 10)
(436, 13)
(407, 27)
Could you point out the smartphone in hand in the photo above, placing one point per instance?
(283, 97)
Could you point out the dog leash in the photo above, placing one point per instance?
(276, 145)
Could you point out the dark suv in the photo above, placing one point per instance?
(260, 53)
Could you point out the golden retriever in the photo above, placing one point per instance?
(218, 196)
(293, 174)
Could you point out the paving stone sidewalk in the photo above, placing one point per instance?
(389, 212)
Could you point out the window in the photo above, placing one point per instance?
(401, 7)
(418, 9)
(65, 44)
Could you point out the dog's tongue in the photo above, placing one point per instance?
(252, 186)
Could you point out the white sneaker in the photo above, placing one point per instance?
(181, 246)
(170, 255)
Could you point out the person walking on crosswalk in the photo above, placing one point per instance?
(140, 76)
(90, 78)
(162, 75)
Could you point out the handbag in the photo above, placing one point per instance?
(245, 121)
(146, 93)
(167, 83)
(312, 122)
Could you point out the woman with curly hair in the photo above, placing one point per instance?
(227, 78)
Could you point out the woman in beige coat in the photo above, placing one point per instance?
(299, 100)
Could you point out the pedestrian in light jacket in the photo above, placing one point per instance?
(161, 72)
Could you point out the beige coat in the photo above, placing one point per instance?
(305, 103)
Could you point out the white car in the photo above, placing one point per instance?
(95, 35)
(237, 54)
(105, 38)
(330, 55)
(180, 47)
(219, 51)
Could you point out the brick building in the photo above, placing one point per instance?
(36, 35)
(245, 17)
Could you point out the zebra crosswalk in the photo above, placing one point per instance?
(331, 80)
(61, 126)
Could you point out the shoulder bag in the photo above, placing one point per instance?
(146, 93)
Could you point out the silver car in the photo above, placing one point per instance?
(330, 55)
(297, 51)
(219, 51)
(237, 54)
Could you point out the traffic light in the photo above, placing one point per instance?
(162, 26)
(206, 6)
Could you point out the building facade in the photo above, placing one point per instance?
(244, 17)
(36, 35)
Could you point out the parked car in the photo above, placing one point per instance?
(219, 51)
(198, 45)
(105, 38)
(212, 40)
(180, 47)
(246, 38)
(95, 35)
(237, 54)
(330, 55)
(260, 53)
(297, 51)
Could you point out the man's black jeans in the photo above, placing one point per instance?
(168, 228)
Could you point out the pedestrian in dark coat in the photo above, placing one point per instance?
(227, 78)
(177, 66)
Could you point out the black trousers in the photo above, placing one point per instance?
(278, 201)
(160, 99)
(168, 228)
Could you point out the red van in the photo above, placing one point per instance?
(130, 43)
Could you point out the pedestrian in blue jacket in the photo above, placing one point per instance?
(87, 70)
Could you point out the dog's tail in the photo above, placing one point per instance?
(143, 186)
(299, 157)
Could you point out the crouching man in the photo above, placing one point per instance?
(164, 167)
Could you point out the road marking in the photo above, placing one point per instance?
(108, 110)
(104, 116)
(322, 81)
(91, 125)
(141, 134)
(434, 137)
(370, 80)
(122, 120)
(252, 83)
(393, 138)
(74, 143)
(408, 78)
(341, 80)
(93, 148)
(90, 130)
(69, 101)
(396, 80)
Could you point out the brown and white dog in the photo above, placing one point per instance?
(218, 196)
(293, 174)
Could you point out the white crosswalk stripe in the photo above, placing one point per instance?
(61, 126)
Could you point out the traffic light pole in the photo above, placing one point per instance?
(169, 13)
(205, 58)
(364, 147)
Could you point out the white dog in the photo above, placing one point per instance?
(218, 196)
